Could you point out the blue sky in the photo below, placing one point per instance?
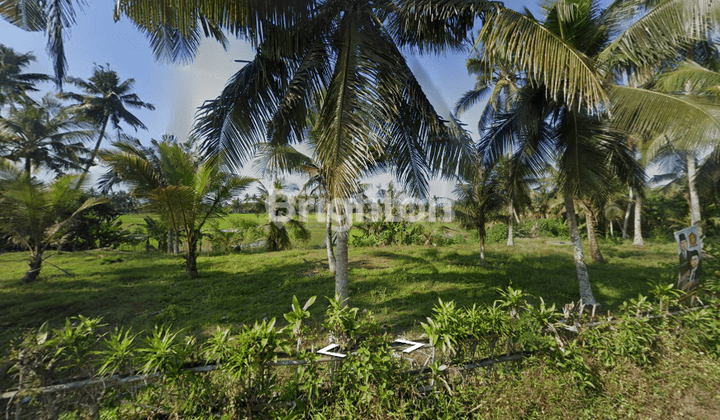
(177, 90)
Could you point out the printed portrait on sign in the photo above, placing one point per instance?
(690, 258)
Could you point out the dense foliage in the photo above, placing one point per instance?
(239, 373)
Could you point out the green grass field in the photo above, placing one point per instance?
(399, 284)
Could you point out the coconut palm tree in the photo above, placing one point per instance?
(53, 17)
(696, 82)
(31, 212)
(348, 52)
(502, 84)
(104, 99)
(44, 135)
(281, 225)
(479, 200)
(579, 50)
(280, 159)
(177, 183)
(555, 115)
(14, 83)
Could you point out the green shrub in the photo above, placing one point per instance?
(497, 233)
(609, 369)
(554, 228)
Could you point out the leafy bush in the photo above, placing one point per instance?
(573, 356)
(386, 233)
(240, 231)
(497, 233)
(554, 228)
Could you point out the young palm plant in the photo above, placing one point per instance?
(178, 184)
(31, 212)
(480, 199)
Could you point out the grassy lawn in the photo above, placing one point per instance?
(399, 284)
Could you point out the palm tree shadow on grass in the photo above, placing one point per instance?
(401, 304)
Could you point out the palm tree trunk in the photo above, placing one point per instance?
(510, 239)
(34, 266)
(94, 153)
(612, 233)
(328, 237)
(695, 216)
(341, 272)
(595, 253)
(97, 145)
(483, 262)
(583, 277)
(191, 256)
(626, 221)
(638, 238)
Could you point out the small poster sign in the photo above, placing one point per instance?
(690, 253)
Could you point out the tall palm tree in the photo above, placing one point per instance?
(577, 53)
(53, 17)
(554, 118)
(682, 166)
(44, 135)
(502, 84)
(31, 212)
(14, 82)
(348, 52)
(104, 99)
(178, 184)
(698, 82)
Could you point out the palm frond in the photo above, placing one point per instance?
(344, 145)
(593, 155)
(308, 79)
(689, 77)
(237, 119)
(174, 27)
(276, 160)
(534, 50)
(471, 98)
(434, 25)
(26, 14)
(688, 121)
(656, 36)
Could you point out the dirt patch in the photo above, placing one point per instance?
(699, 403)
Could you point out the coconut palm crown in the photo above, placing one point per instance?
(105, 99)
(346, 55)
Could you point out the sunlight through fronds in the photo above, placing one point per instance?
(534, 49)
(689, 121)
(657, 35)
